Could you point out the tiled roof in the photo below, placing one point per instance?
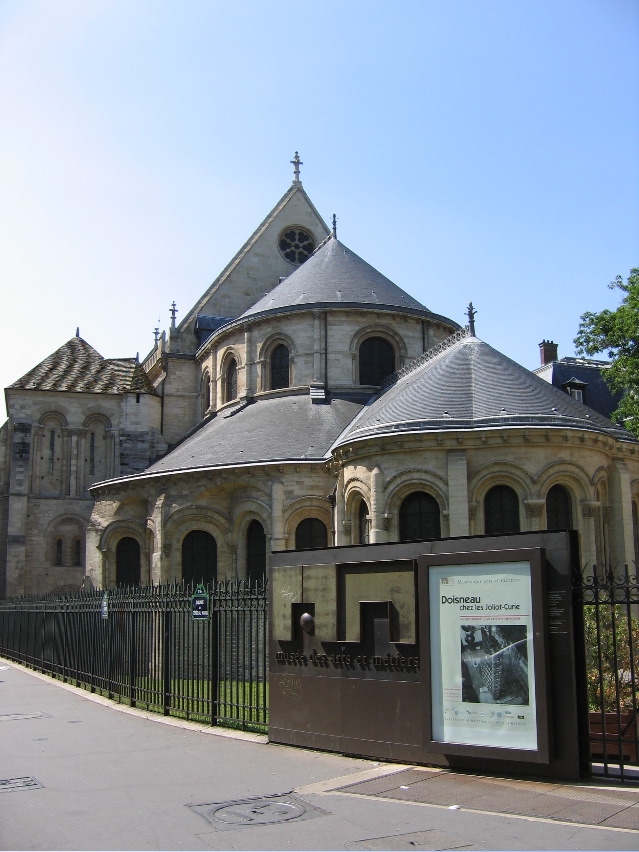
(470, 385)
(289, 428)
(77, 367)
(336, 276)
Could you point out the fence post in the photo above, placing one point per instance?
(166, 659)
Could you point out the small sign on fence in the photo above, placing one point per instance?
(104, 607)
(200, 604)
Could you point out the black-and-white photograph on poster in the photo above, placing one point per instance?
(482, 655)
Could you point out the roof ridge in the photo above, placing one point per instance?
(428, 355)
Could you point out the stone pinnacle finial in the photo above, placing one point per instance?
(173, 313)
(296, 169)
(77, 331)
(156, 334)
(334, 225)
(471, 318)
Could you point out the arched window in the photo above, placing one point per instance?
(231, 380)
(419, 517)
(311, 533)
(501, 511)
(58, 551)
(127, 562)
(280, 367)
(255, 552)
(362, 523)
(558, 509)
(199, 557)
(376, 361)
(77, 551)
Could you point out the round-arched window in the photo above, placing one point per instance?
(280, 367)
(255, 552)
(311, 533)
(558, 509)
(362, 523)
(501, 511)
(419, 517)
(376, 361)
(127, 562)
(199, 557)
(231, 380)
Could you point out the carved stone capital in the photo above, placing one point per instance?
(534, 507)
(590, 508)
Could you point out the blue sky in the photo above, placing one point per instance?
(480, 150)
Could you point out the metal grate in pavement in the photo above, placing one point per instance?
(25, 783)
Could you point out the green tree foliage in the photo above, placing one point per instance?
(617, 333)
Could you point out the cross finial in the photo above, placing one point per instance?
(334, 225)
(296, 169)
(470, 313)
(173, 313)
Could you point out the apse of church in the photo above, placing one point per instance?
(305, 400)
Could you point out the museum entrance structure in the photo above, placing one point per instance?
(462, 653)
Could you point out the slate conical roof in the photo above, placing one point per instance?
(76, 366)
(335, 276)
(469, 385)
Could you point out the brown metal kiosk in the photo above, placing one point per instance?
(456, 652)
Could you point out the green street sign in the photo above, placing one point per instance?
(200, 605)
(104, 607)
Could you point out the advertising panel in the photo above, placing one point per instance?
(483, 655)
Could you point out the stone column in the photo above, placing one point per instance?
(317, 347)
(590, 513)
(82, 448)
(155, 525)
(622, 547)
(73, 462)
(65, 461)
(459, 522)
(94, 556)
(342, 530)
(377, 532)
(249, 365)
(278, 539)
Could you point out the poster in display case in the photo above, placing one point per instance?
(486, 631)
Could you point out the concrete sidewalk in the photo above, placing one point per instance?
(79, 773)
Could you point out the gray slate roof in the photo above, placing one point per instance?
(336, 276)
(289, 428)
(77, 367)
(469, 385)
(597, 393)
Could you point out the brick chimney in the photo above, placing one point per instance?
(548, 351)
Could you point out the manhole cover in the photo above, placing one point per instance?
(244, 813)
(25, 783)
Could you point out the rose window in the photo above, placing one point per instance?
(296, 245)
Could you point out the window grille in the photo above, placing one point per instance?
(311, 533)
(280, 367)
(199, 557)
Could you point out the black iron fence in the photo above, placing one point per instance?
(143, 646)
(609, 602)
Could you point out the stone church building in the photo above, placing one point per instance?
(305, 400)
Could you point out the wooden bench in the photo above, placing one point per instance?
(620, 730)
